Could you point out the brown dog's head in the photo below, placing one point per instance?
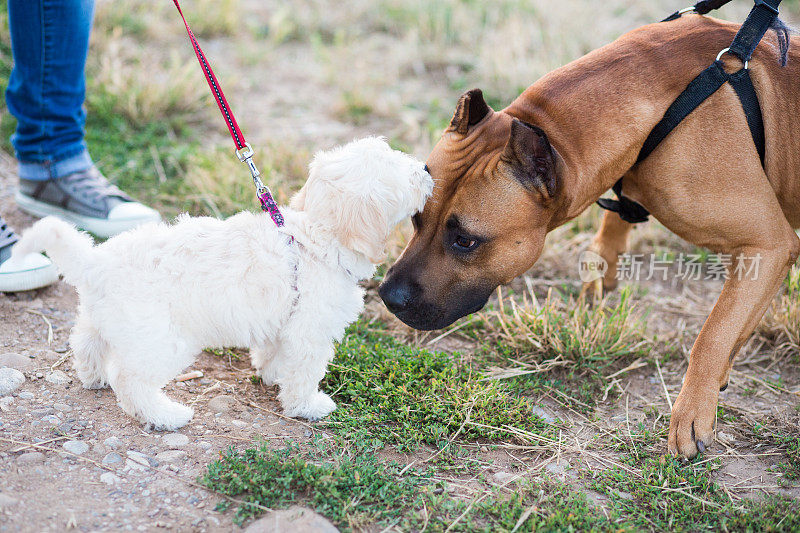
(496, 190)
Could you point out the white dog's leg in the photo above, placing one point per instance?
(142, 398)
(302, 364)
(264, 361)
(88, 349)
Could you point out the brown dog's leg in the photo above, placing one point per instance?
(737, 311)
(610, 241)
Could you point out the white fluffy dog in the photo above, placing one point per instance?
(152, 298)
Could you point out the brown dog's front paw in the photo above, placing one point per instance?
(691, 428)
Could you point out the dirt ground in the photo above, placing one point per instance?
(70, 458)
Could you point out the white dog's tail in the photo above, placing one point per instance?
(67, 247)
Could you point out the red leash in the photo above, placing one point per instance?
(243, 150)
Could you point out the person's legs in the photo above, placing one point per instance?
(50, 40)
(46, 89)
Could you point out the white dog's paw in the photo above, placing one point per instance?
(95, 385)
(171, 417)
(318, 406)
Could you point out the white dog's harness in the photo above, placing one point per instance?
(243, 149)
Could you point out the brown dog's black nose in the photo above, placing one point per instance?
(396, 294)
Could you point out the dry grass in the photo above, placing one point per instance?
(565, 331)
(781, 324)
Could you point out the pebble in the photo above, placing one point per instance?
(172, 456)
(51, 419)
(295, 518)
(239, 423)
(30, 457)
(10, 380)
(544, 415)
(501, 478)
(205, 445)
(109, 479)
(43, 411)
(114, 442)
(142, 459)
(17, 361)
(175, 440)
(26, 395)
(64, 408)
(57, 377)
(222, 404)
(7, 501)
(112, 458)
(76, 446)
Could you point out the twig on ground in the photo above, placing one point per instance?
(49, 325)
(666, 392)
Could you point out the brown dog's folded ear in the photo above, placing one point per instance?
(531, 159)
(470, 110)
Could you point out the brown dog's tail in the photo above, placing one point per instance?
(71, 250)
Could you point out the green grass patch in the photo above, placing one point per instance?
(563, 342)
(662, 494)
(405, 397)
(349, 489)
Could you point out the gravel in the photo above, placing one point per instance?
(112, 458)
(222, 404)
(77, 447)
(114, 442)
(175, 440)
(57, 377)
(17, 361)
(10, 380)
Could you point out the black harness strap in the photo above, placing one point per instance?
(699, 89)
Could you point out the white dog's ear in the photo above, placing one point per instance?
(298, 202)
(364, 228)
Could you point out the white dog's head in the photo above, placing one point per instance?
(361, 191)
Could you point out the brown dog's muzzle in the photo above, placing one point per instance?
(420, 308)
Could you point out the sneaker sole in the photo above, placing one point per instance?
(100, 227)
(28, 280)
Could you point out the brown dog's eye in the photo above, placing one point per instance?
(464, 244)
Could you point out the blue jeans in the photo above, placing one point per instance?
(49, 41)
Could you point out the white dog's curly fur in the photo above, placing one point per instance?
(152, 298)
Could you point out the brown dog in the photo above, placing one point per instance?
(504, 179)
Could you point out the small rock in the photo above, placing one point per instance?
(544, 415)
(501, 478)
(142, 459)
(17, 361)
(222, 404)
(7, 501)
(114, 442)
(76, 446)
(557, 468)
(109, 479)
(172, 456)
(64, 408)
(300, 519)
(112, 458)
(175, 440)
(205, 445)
(51, 419)
(26, 395)
(57, 377)
(239, 423)
(30, 457)
(10, 380)
(43, 411)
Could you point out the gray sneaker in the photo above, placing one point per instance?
(22, 273)
(87, 200)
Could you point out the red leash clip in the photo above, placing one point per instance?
(243, 150)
